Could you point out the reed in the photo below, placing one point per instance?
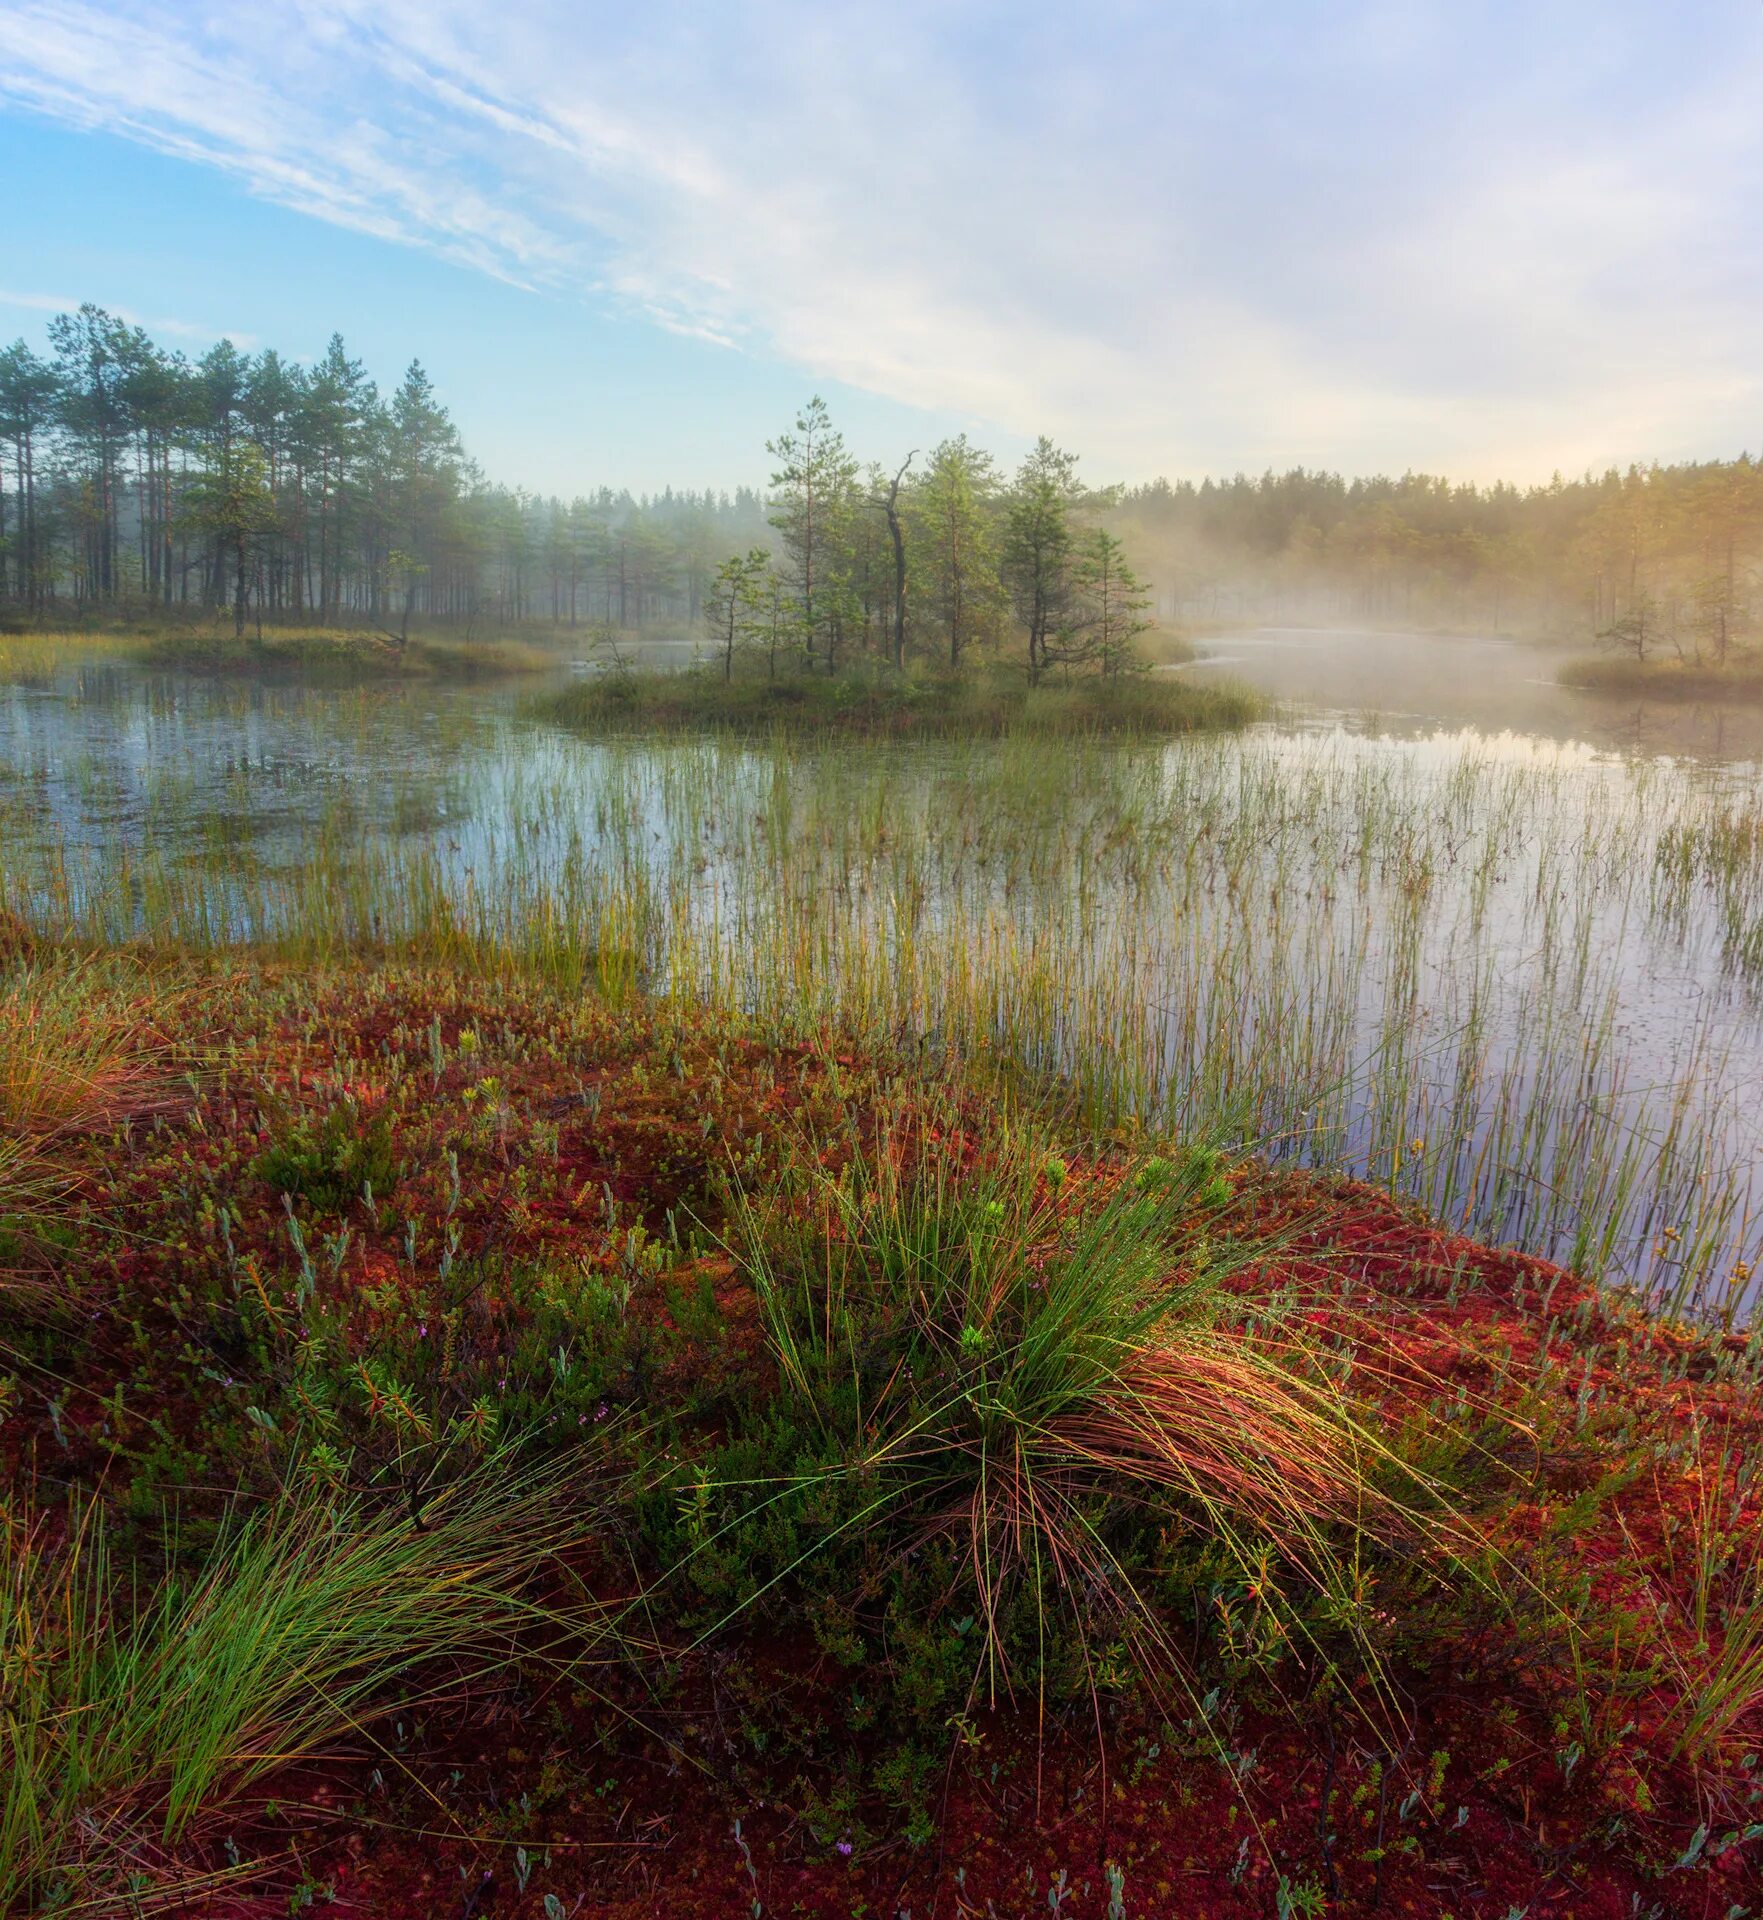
(1417, 961)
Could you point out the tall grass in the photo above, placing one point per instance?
(77, 1045)
(1707, 1596)
(79, 1051)
(133, 1728)
(1420, 961)
(1011, 1375)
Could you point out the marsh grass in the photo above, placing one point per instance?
(954, 1403)
(1720, 860)
(139, 1716)
(1720, 1692)
(1665, 679)
(1707, 1596)
(1420, 962)
(78, 1045)
(153, 639)
(80, 1051)
(345, 652)
(1034, 1382)
(32, 1187)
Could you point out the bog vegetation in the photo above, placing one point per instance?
(470, 1440)
(747, 1342)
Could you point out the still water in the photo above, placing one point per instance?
(1445, 923)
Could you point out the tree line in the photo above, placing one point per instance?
(943, 559)
(1666, 558)
(131, 475)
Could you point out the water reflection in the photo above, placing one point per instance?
(1406, 682)
(1510, 969)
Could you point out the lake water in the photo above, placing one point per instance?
(1408, 683)
(1444, 923)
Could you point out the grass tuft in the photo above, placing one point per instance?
(79, 1051)
(1020, 1375)
(131, 1732)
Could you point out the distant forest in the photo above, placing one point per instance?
(132, 476)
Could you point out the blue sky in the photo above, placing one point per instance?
(627, 242)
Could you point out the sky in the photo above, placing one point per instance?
(1485, 240)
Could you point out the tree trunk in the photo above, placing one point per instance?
(892, 509)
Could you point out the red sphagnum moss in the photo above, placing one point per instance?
(374, 1191)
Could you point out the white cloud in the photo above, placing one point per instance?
(1182, 239)
(53, 303)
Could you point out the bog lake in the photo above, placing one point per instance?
(1440, 921)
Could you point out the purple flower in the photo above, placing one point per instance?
(845, 1848)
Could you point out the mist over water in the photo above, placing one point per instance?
(1409, 683)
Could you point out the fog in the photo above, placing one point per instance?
(1407, 682)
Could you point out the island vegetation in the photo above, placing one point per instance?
(1737, 678)
(917, 706)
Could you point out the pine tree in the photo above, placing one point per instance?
(955, 570)
(28, 388)
(735, 607)
(1038, 539)
(811, 507)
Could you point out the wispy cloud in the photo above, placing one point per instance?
(1494, 239)
(52, 303)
